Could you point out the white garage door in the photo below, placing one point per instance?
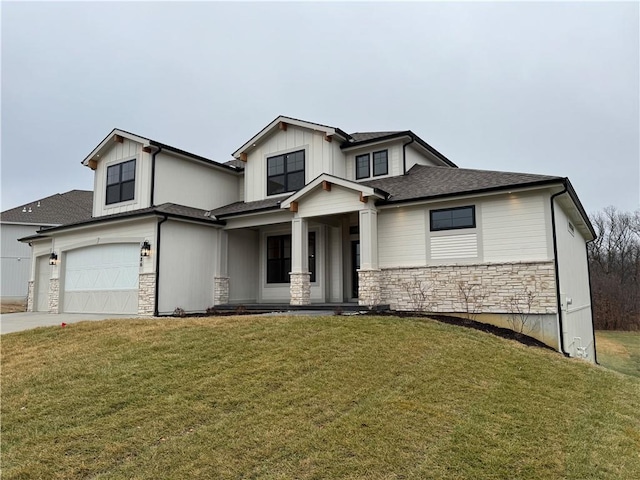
(43, 272)
(102, 279)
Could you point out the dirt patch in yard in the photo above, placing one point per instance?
(12, 308)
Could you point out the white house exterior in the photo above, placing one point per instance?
(308, 214)
(26, 220)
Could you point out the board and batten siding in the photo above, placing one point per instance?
(514, 228)
(122, 152)
(192, 183)
(320, 157)
(188, 264)
(401, 237)
(574, 285)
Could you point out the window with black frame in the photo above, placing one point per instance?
(279, 258)
(285, 173)
(362, 166)
(121, 181)
(380, 163)
(453, 218)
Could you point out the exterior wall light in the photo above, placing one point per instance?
(53, 258)
(145, 249)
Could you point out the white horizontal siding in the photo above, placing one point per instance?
(514, 229)
(338, 200)
(454, 246)
(394, 155)
(401, 237)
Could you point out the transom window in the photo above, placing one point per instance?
(121, 182)
(453, 218)
(285, 173)
(380, 164)
(279, 258)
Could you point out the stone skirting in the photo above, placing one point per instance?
(480, 288)
(221, 291)
(300, 288)
(369, 288)
(30, 296)
(146, 293)
(54, 295)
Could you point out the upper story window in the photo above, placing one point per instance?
(453, 218)
(380, 164)
(285, 173)
(121, 182)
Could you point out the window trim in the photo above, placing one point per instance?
(286, 173)
(373, 163)
(473, 216)
(368, 166)
(120, 182)
(312, 235)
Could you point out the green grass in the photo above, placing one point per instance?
(307, 398)
(619, 351)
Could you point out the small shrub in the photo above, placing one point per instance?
(241, 310)
(179, 312)
(212, 311)
(337, 310)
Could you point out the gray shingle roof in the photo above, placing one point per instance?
(425, 182)
(247, 207)
(57, 209)
(365, 136)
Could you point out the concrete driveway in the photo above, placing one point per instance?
(16, 322)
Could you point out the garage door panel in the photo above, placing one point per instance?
(102, 279)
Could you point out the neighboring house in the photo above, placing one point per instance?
(306, 213)
(25, 220)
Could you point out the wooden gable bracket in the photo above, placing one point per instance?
(328, 138)
(326, 186)
(243, 157)
(293, 207)
(118, 138)
(93, 164)
(363, 198)
(282, 126)
(146, 149)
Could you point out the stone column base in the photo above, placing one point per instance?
(300, 288)
(54, 295)
(146, 293)
(369, 291)
(221, 290)
(30, 296)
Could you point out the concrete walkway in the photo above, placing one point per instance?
(16, 322)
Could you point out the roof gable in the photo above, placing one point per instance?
(107, 143)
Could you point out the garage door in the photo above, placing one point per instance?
(102, 279)
(43, 272)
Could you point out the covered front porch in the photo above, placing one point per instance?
(318, 248)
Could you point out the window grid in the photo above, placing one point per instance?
(121, 180)
(453, 218)
(279, 258)
(285, 173)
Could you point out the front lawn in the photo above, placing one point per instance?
(307, 398)
(619, 351)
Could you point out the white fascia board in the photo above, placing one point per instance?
(374, 143)
(356, 187)
(27, 224)
(266, 131)
(107, 143)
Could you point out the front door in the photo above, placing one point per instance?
(355, 265)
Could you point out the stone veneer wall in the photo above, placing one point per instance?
(300, 288)
(221, 291)
(492, 287)
(54, 295)
(146, 293)
(30, 296)
(369, 288)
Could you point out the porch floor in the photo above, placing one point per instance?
(283, 307)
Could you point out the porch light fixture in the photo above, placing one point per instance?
(145, 249)
(53, 258)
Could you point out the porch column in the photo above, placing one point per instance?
(300, 286)
(369, 292)
(221, 279)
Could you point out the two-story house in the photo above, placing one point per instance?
(307, 213)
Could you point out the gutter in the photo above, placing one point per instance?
(404, 154)
(153, 176)
(555, 264)
(157, 290)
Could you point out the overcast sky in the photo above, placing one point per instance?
(529, 87)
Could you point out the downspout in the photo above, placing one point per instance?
(157, 292)
(404, 155)
(555, 264)
(593, 326)
(153, 177)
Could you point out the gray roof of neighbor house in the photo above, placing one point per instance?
(424, 182)
(72, 206)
